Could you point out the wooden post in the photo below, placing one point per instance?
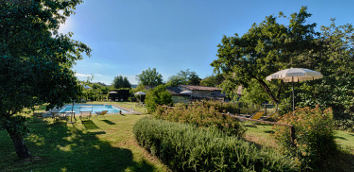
(292, 135)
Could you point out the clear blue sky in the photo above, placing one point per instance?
(129, 36)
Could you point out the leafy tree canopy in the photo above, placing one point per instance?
(149, 77)
(212, 81)
(265, 49)
(269, 47)
(121, 82)
(335, 61)
(186, 77)
(35, 61)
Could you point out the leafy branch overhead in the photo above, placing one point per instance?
(271, 46)
(35, 61)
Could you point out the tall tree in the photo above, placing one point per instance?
(186, 77)
(212, 81)
(175, 80)
(193, 79)
(149, 77)
(35, 61)
(265, 49)
(336, 62)
(126, 83)
(121, 82)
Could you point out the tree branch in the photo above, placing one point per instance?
(266, 89)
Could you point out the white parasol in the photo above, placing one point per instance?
(295, 75)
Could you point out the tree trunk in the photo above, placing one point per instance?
(266, 88)
(20, 146)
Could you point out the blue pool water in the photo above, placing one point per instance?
(90, 107)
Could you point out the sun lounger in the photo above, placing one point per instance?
(101, 112)
(85, 114)
(257, 115)
(271, 115)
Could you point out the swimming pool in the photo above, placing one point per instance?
(91, 107)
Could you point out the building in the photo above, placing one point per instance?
(203, 92)
(186, 93)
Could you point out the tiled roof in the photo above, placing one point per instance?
(173, 90)
(199, 88)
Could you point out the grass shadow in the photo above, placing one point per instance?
(108, 122)
(89, 125)
(342, 138)
(97, 132)
(61, 148)
(339, 162)
(269, 131)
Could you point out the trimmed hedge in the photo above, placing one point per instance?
(184, 147)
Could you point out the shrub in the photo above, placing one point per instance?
(222, 106)
(345, 124)
(201, 115)
(232, 107)
(314, 136)
(187, 148)
(158, 96)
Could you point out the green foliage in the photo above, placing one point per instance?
(186, 148)
(254, 94)
(121, 82)
(266, 48)
(193, 79)
(203, 115)
(158, 96)
(345, 124)
(149, 77)
(212, 81)
(335, 62)
(314, 136)
(35, 60)
(270, 46)
(96, 93)
(183, 78)
(175, 80)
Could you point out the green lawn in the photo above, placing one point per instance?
(105, 143)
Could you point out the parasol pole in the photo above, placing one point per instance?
(292, 85)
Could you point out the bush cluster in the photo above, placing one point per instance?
(158, 96)
(345, 124)
(184, 147)
(201, 115)
(314, 136)
(222, 106)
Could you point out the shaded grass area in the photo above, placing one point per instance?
(89, 125)
(94, 145)
(260, 134)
